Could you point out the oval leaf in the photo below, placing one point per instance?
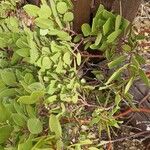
(55, 125)
(34, 126)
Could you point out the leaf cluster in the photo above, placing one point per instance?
(42, 94)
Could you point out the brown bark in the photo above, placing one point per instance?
(82, 11)
(129, 8)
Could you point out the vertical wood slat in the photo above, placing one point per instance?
(129, 8)
(82, 10)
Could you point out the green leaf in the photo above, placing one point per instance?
(5, 113)
(55, 14)
(86, 29)
(23, 52)
(66, 58)
(25, 100)
(135, 62)
(27, 145)
(33, 98)
(64, 36)
(5, 132)
(116, 62)
(3, 63)
(36, 96)
(117, 99)
(107, 14)
(140, 59)
(43, 32)
(8, 93)
(77, 38)
(18, 119)
(36, 86)
(52, 87)
(59, 67)
(46, 63)
(22, 43)
(93, 46)
(34, 54)
(105, 87)
(98, 39)
(34, 125)
(144, 77)
(115, 74)
(55, 57)
(31, 111)
(86, 142)
(51, 99)
(78, 59)
(18, 108)
(113, 36)
(8, 77)
(126, 48)
(68, 17)
(129, 84)
(125, 24)
(31, 10)
(78, 147)
(118, 22)
(107, 27)
(44, 23)
(13, 22)
(45, 11)
(60, 145)
(45, 51)
(28, 78)
(55, 125)
(62, 7)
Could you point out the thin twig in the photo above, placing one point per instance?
(144, 110)
(91, 56)
(77, 45)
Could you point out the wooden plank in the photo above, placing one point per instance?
(129, 8)
(82, 11)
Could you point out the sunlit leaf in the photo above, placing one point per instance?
(86, 29)
(144, 77)
(78, 59)
(31, 10)
(68, 17)
(116, 62)
(115, 74)
(62, 7)
(129, 84)
(35, 126)
(5, 132)
(55, 125)
(118, 22)
(113, 36)
(107, 26)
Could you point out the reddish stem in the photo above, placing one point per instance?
(144, 110)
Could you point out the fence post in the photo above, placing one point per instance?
(82, 10)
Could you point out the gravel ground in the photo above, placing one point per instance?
(142, 26)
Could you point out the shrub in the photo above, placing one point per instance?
(46, 100)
